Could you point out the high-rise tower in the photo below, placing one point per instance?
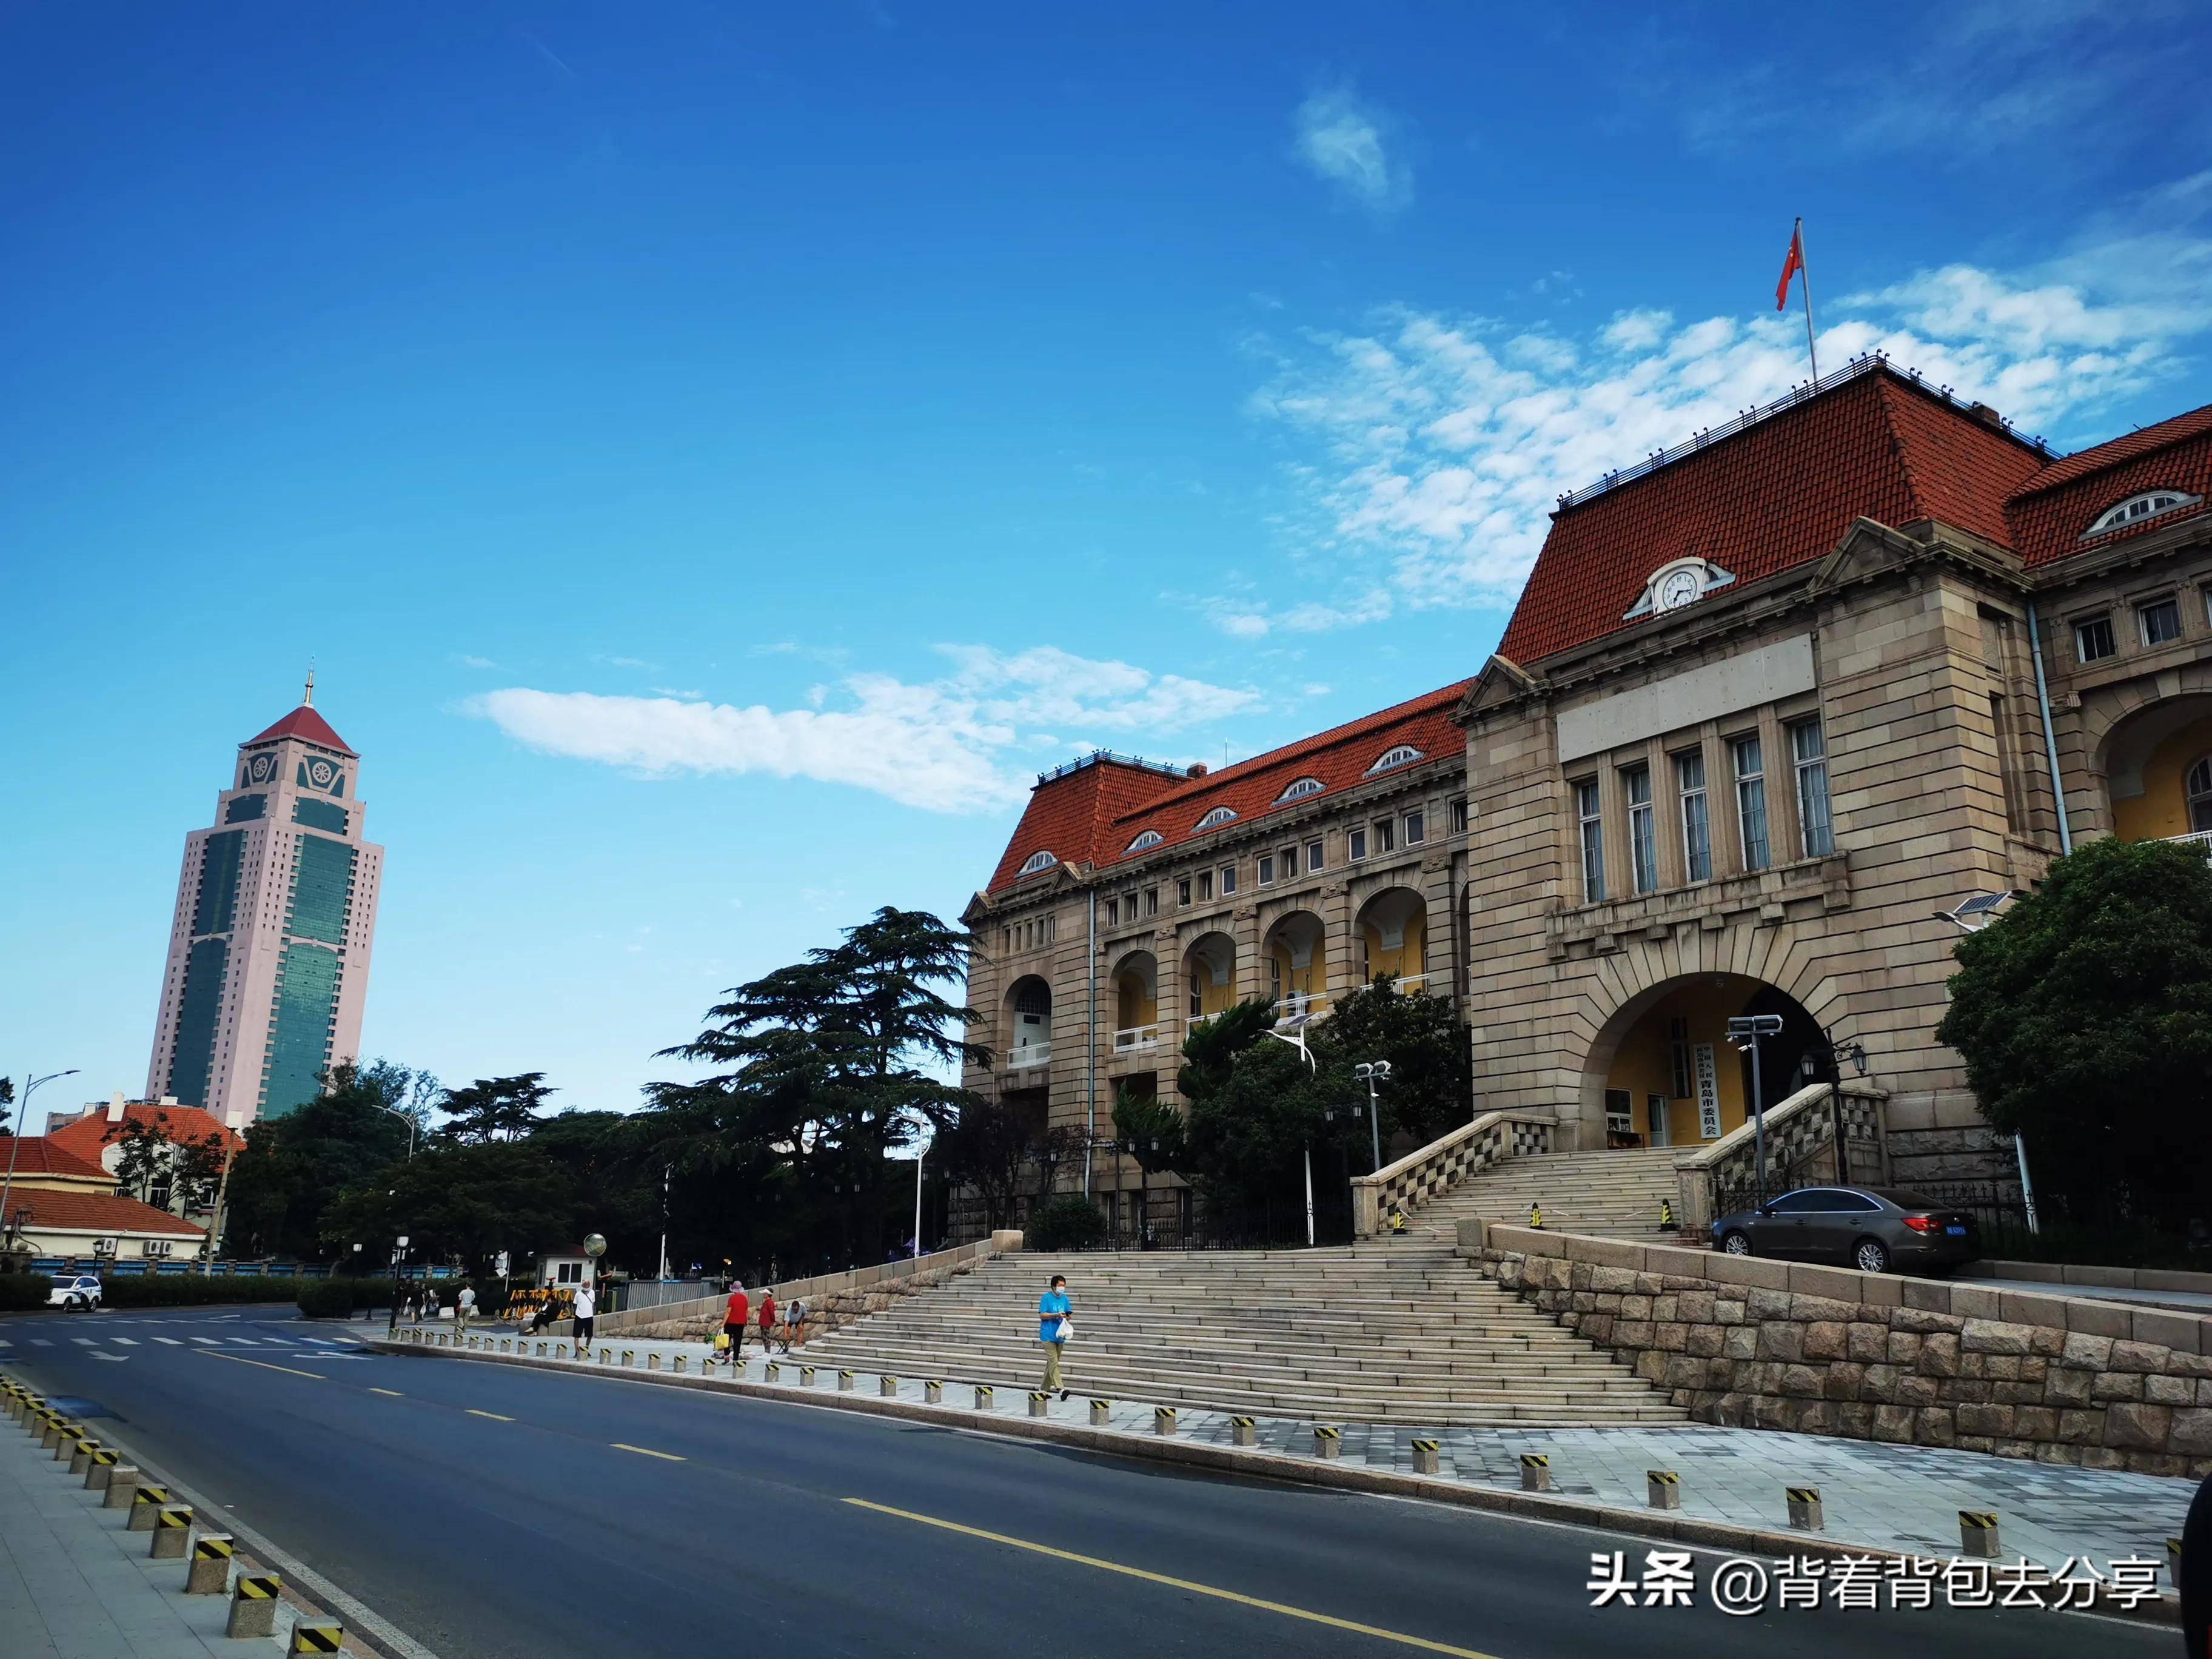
(269, 948)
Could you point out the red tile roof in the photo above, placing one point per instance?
(306, 724)
(1099, 826)
(2050, 514)
(39, 1155)
(95, 1213)
(90, 1135)
(1781, 492)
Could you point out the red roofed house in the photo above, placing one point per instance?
(98, 1134)
(1769, 702)
(59, 1204)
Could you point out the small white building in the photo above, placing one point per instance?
(568, 1269)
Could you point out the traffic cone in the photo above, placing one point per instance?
(1536, 1215)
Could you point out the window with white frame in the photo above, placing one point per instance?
(1591, 823)
(1642, 837)
(2158, 621)
(1218, 815)
(1266, 870)
(1696, 827)
(1403, 754)
(1228, 879)
(2134, 510)
(1355, 844)
(1152, 901)
(1300, 790)
(1809, 752)
(1417, 828)
(2093, 639)
(1459, 817)
(1182, 890)
(1315, 851)
(1289, 863)
(1386, 837)
(1149, 838)
(1113, 913)
(1749, 756)
(1037, 862)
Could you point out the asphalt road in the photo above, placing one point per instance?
(496, 1513)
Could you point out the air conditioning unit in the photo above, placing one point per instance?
(103, 1247)
(159, 1247)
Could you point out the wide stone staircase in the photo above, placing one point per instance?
(1394, 1330)
(1611, 1195)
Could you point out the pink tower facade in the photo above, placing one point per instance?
(269, 948)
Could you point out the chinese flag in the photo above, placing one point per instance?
(1791, 267)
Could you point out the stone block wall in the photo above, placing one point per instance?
(832, 1300)
(1775, 1344)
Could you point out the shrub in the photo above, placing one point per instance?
(326, 1298)
(1066, 1224)
(193, 1290)
(20, 1291)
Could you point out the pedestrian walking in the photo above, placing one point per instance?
(733, 1323)
(585, 1308)
(430, 1307)
(1055, 1326)
(767, 1320)
(413, 1314)
(465, 1308)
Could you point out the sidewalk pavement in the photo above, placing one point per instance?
(74, 1584)
(1901, 1499)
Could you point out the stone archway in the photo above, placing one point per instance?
(1393, 931)
(1209, 976)
(1028, 1025)
(1136, 1000)
(1661, 1073)
(2146, 757)
(1295, 952)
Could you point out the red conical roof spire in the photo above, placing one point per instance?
(305, 724)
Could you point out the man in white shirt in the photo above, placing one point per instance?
(465, 1310)
(585, 1308)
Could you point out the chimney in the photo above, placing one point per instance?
(169, 1100)
(1196, 769)
(115, 1107)
(1987, 416)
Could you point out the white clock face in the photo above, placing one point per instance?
(1680, 588)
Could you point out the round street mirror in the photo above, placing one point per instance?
(595, 1246)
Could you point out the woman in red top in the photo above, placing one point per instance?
(733, 1322)
(767, 1320)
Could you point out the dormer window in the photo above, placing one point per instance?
(1404, 754)
(2134, 510)
(1300, 790)
(1218, 815)
(1037, 862)
(1150, 839)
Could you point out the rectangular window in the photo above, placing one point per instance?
(1112, 912)
(1204, 885)
(1593, 838)
(2093, 640)
(1267, 869)
(1416, 829)
(2160, 621)
(1696, 827)
(1152, 901)
(1386, 837)
(1751, 800)
(1643, 841)
(1809, 752)
(1314, 856)
(1458, 807)
(1228, 879)
(1358, 845)
(1290, 864)
(1182, 890)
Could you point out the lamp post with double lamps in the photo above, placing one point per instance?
(16, 1142)
(1745, 1031)
(1372, 1071)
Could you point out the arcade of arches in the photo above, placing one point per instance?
(2158, 771)
(1667, 1073)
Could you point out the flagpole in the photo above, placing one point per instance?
(1805, 276)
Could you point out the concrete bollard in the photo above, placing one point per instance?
(629, 1357)
(96, 1472)
(1805, 1508)
(1039, 1403)
(122, 1488)
(253, 1605)
(1663, 1489)
(806, 1377)
(1535, 1472)
(145, 1505)
(606, 1355)
(1978, 1533)
(318, 1638)
(933, 1392)
(1163, 1419)
(506, 1347)
(65, 1444)
(773, 1374)
(173, 1525)
(1099, 1408)
(844, 1381)
(1424, 1458)
(1327, 1441)
(541, 1350)
(983, 1396)
(678, 1367)
(887, 1387)
(652, 1361)
(1243, 1431)
(56, 1433)
(81, 1454)
(210, 1573)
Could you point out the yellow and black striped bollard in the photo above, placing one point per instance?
(253, 1605)
(984, 1395)
(1099, 1410)
(210, 1573)
(1978, 1533)
(318, 1638)
(1663, 1489)
(1243, 1431)
(1535, 1472)
(146, 1505)
(173, 1525)
(1039, 1402)
(1425, 1456)
(1163, 1419)
(1805, 1508)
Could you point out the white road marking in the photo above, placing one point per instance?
(40, 1342)
(82, 1341)
(119, 1358)
(125, 1341)
(243, 1341)
(325, 1341)
(168, 1341)
(208, 1339)
(281, 1342)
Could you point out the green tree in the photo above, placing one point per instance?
(493, 1109)
(461, 1203)
(1430, 1088)
(294, 1166)
(2084, 1016)
(157, 1164)
(986, 1149)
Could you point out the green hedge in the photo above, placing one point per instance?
(338, 1296)
(193, 1290)
(1066, 1224)
(20, 1291)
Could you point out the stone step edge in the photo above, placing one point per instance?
(1669, 1525)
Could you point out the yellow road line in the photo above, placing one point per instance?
(495, 1416)
(647, 1452)
(240, 1358)
(393, 1393)
(1287, 1612)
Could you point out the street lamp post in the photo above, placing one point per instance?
(1371, 1072)
(1297, 1039)
(398, 1252)
(16, 1143)
(1745, 1031)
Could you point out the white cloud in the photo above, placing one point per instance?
(1343, 142)
(1441, 442)
(943, 746)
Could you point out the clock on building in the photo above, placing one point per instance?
(1677, 583)
(1680, 588)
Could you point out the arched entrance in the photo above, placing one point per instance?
(2158, 770)
(1028, 1022)
(1296, 950)
(1392, 932)
(1663, 1073)
(1136, 1001)
(1209, 971)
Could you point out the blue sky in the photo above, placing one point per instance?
(716, 457)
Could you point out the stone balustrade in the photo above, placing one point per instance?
(1799, 1129)
(832, 1300)
(1444, 1163)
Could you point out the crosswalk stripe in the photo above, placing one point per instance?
(281, 1342)
(81, 1341)
(208, 1339)
(169, 1341)
(324, 1341)
(244, 1341)
(125, 1341)
(40, 1342)
(5, 1343)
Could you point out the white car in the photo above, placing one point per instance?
(74, 1290)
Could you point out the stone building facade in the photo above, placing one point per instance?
(1771, 706)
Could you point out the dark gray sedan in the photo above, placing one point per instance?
(1873, 1228)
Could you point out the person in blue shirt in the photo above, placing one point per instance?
(1053, 1330)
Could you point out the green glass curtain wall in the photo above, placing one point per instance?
(321, 890)
(191, 1055)
(218, 896)
(300, 1035)
(321, 815)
